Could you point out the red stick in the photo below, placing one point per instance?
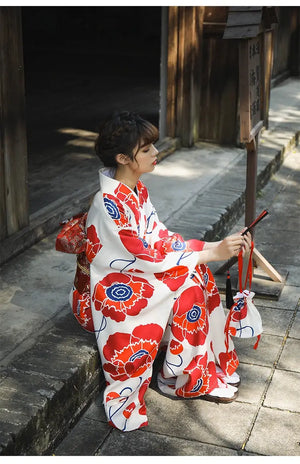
(259, 218)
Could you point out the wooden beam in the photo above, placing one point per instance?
(189, 73)
(172, 71)
(197, 69)
(14, 206)
(184, 82)
(251, 176)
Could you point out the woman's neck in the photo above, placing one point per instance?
(126, 177)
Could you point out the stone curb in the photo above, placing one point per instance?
(46, 389)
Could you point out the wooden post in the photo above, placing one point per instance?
(13, 145)
(251, 175)
(172, 71)
(189, 62)
(163, 74)
(185, 70)
(268, 41)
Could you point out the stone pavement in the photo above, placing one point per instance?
(49, 365)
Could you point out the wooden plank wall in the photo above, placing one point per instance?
(184, 65)
(268, 65)
(202, 93)
(13, 144)
(219, 92)
(286, 42)
(172, 70)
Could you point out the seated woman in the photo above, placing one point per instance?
(150, 288)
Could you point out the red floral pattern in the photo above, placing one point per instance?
(139, 247)
(125, 194)
(174, 277)
(238, 311)
(130, 355)
(142, 391)
(169, 242)
(93, 245)
(213, 299)
(229, 362)
(119, 295)
(143, 193)
(202, 378)
(71, 238)
(115, 209)
(190, 319)
(176, 347)
(82, 310)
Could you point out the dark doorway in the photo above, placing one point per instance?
(82, 63)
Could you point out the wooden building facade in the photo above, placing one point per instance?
(199, 85)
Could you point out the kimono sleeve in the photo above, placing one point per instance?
(120, 227)
(161, 238)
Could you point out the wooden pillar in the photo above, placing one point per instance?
(268, 44)
(251, 177)
(295, 48)
(13, 144)
(184, 64)
(172, 70)
(163, 73)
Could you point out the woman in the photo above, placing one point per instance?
(150, 288)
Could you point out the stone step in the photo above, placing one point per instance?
(45, 389)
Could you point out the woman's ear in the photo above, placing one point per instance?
(122, 159)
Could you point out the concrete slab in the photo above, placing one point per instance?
(142, 443)
(54, 359)
(96, 410)
(265, 355)
(18, 425)
(288, 360)
(84, 439)
(275, 321)
(253, 382)
(295, 329)
(275, 433)
(267, 240)
(51, 382)
(288, 299)
(223, 425)
(34, 289)
(283, 392)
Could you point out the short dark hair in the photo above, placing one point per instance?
(121, 133)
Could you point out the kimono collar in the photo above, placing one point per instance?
(110, 185)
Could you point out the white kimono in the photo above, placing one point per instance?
(147, 292)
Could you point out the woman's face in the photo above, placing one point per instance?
(144, 160)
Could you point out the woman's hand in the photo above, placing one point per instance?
(229, 247)
(225, 249)
(246, 246)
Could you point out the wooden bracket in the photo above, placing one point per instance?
(260, 261)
